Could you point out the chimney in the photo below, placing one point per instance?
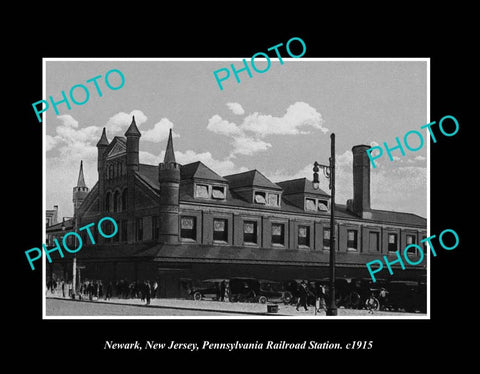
(361, 182)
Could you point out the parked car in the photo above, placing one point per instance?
(410, 296)
(206, 289)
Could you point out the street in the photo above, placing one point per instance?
(57, 306)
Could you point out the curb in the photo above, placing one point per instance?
(171, 307)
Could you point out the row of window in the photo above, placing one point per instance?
(116, 201)
(218, 192)
(221, 234)
(115, 170)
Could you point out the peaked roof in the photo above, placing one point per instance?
(133, 129)
(251, 178)
(81, 179)
(103, 139)
(300, 185)
(169, 153)
(199, 170)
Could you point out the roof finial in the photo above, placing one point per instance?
(81, 179)
(169, 152)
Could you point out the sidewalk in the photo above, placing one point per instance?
(243, 308)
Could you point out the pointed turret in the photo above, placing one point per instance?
(133, 139)
(169, 153)
(169, 180)
(81, 179)
(133, 129)
(80, 191)
(103, 139)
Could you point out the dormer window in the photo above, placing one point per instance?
(273, 199)
(260, 197)
(266, 198)
(311, 204)
(323, 205)
(206, 191)
(201, 190)
(314, 205)
(218, 192)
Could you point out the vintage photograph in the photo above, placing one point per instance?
(168, 197)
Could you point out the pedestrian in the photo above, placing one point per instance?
(147, 291)
(108, 291)
(303, 294)
(154, 289)
(222, 290)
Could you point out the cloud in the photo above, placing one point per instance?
(247, 138)
(50, 142)
(236, 108)
(298, 117)
(119, 122)
(220, 126)
(248, 146)
(159, 132)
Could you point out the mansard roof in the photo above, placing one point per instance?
(251, 178)
(198, 170)
(300, 185)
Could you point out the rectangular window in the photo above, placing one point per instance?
(374, 241)
(155, 227)
(273, 199)
(220, 230)
(323, 205)
(139, 226)
(124, 230)
(326, 238)
(218, 192)
(260, 197)
(250, 232)
(310, 204)
(304, 236)
(201, 190)
(278, 233)
(392, 242)
(188, 228)
(352, 240)
(411, 240)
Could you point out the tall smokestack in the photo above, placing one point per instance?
(361, 181)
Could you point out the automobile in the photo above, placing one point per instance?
(244, 290)
(407, 295)
(257, 291)
(273, 291)
(206, 289)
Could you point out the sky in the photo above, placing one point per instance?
(278, 122)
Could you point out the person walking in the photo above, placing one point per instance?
(147, 290)
(303, 294)
(222, 290)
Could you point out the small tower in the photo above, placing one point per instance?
(101, 147)
(133, 165)
(133, 140)
(169, 180)
(80, 192)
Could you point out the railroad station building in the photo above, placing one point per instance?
(181, 223)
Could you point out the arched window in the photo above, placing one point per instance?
(116, 201)
(107, 201)
(124, 199)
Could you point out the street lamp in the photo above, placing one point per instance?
(74, 266)
(329, 172)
